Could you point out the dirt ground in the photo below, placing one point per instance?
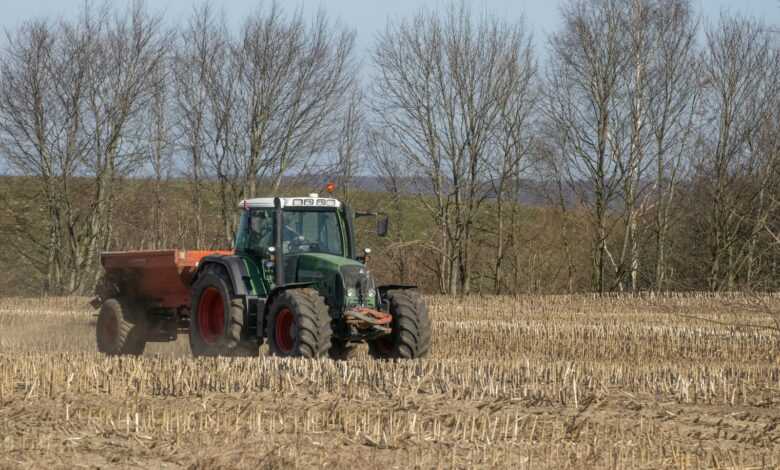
(531, 382)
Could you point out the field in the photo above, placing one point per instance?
(527, 382)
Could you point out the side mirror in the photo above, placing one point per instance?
(382, 224)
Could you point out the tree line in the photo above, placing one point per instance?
(652, 137)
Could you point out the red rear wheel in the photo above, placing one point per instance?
(211, 316)
(286, 330)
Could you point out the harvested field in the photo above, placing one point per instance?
(528, 382)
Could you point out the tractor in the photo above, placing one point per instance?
(293, 281)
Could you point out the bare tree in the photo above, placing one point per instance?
(349, 145)
(160, 149)
(589, 60)
(200, 44)
(512, 147)
(635, 93)
(740, 74)
(672, 106)
(29, 111)
(70, 95)
(260, 105)
(274, 94)
(620, 111)
(293, 79)
(551, 166)
(437, 92)
(389, 167)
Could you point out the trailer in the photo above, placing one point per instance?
(144, 296)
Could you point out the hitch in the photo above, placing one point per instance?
(364, 318)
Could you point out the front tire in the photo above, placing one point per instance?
(217, 317)
(120, 329)
(411, 328)
(299, 325)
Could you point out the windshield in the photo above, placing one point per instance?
(312, 232)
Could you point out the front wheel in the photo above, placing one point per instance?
(299, 325)
(411, 328)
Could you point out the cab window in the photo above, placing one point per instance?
(312, 231)
(256, 231)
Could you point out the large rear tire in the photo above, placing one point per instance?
(120, 329)
(217, 317)
(299, 325)
(411, 328)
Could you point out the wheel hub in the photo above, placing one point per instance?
(211, 316)
(285, 330)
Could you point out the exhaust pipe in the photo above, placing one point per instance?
(278, 242)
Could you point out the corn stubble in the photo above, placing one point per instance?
(676, 381)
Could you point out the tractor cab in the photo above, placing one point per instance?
(311, 225)
(306, 240)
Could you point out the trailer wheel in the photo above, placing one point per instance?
(217, 317)
(299, 325)
(411, 328)
(120, 329)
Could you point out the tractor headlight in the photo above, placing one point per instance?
(350, 292)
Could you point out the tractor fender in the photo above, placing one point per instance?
(261, 316)
(235, 267)
(382, 290)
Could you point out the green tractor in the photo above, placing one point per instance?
(293, 280)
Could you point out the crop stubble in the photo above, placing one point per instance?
(528, 382)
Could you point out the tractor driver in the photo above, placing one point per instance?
(261, 233)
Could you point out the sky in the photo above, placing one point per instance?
(368, 17)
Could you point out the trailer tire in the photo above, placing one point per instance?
(217, 317)
(299, 324)
(121, 329)
(411, 328)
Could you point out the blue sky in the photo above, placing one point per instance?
(368, 17)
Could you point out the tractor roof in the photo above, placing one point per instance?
(312, 200)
